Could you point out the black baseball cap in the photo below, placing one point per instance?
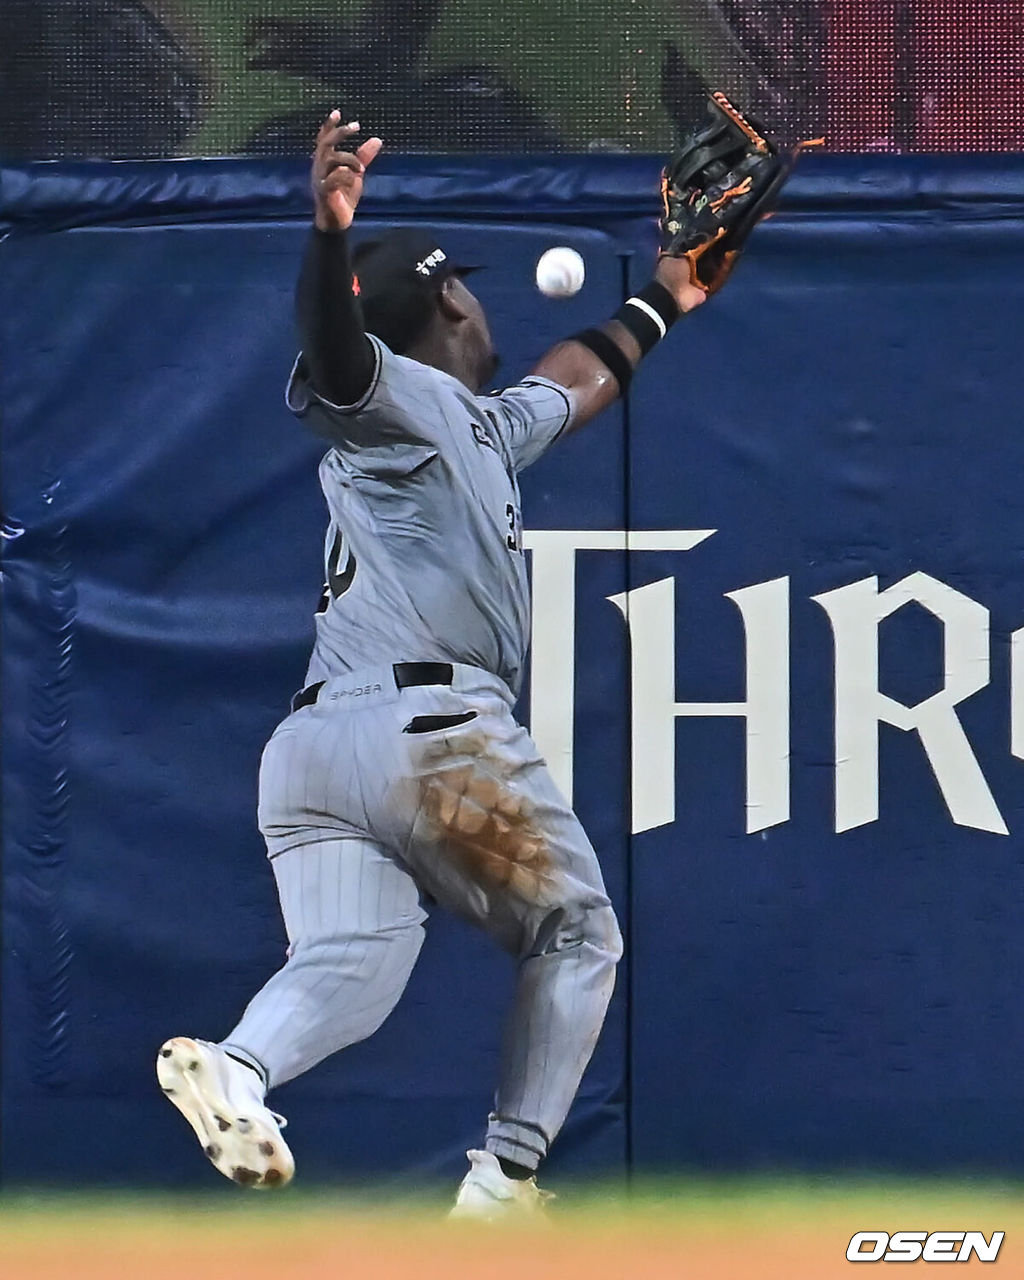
(397, 279)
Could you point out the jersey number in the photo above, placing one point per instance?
(514, 537)
(338, 579)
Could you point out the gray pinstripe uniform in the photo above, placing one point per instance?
(376, 798)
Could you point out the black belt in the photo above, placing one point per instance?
(407, 674)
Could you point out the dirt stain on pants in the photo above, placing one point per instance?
(466, 794)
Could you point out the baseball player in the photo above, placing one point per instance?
(401, 778)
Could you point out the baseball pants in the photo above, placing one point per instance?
(376, 800)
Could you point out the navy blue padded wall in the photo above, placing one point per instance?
(844, 410)
(807, 996)
(161, 574)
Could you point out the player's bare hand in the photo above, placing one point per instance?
(337, 177)
(674, 274)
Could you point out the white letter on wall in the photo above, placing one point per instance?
(855, 612)
(553, 638)
(1017, 694)
(650, 614)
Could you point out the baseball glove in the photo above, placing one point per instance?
(722, 180)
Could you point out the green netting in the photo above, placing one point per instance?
(211, 77)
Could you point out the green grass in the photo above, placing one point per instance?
(736, 1204)
(785, 1228)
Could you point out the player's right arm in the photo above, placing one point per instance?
(583, 375)
(595, 370)
(339, 358)
(722, 180)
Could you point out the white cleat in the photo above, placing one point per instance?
(487, 1195)
(223, 1102)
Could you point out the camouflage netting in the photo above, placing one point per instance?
(149, 78)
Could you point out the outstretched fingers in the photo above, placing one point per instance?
(332, 134)
(338, 169)
(369, 151)
(332, 130)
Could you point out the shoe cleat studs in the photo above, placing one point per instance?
(241, 1144)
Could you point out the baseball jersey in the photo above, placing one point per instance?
(423, 554)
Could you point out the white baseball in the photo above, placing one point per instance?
(560, 272)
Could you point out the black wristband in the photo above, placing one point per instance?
(609, 353)
(649, 315)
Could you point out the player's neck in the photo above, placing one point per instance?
(437, 350)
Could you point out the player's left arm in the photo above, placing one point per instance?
(723, 179)
(596, 380)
